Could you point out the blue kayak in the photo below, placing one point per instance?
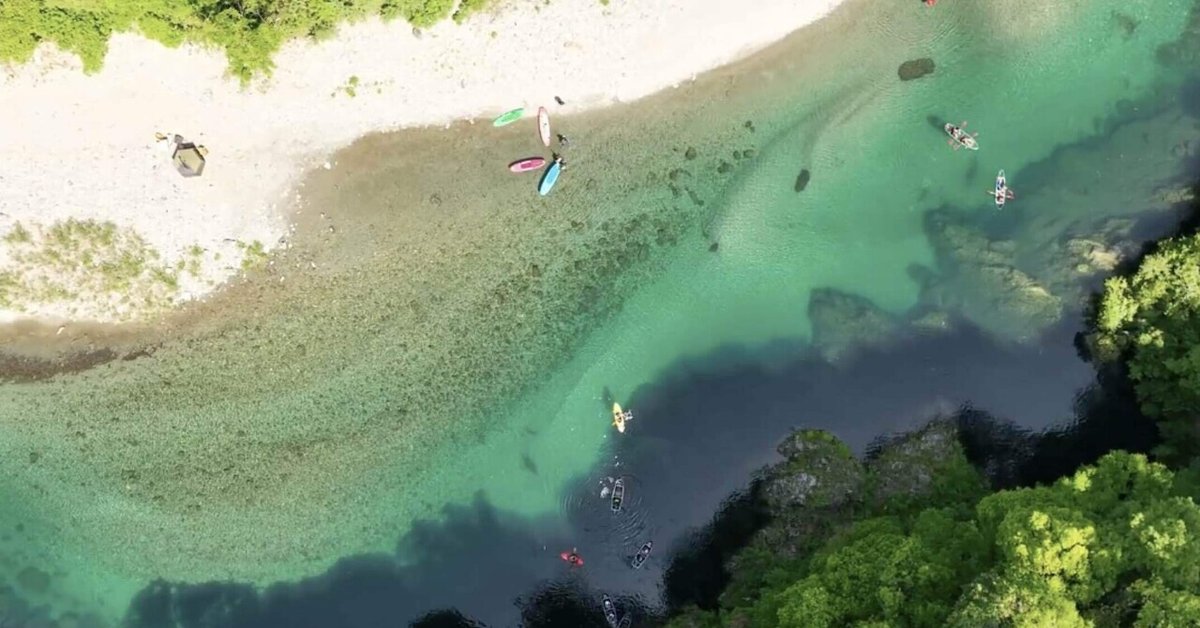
(550, 178)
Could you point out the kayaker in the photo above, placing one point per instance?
(573, 558)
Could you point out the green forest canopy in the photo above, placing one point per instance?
(1114, 544)
(249, 31)
(1153, 319)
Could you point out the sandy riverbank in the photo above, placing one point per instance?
(143, 238)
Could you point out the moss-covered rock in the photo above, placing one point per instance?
(820, 471)
(844, 323)
(925, 467)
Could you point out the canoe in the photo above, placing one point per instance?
(509, 117)
(527, 164)
(1001, 192)
(544, 125)
(618, 418)
(610, 611)
(640, 558)
(618, 495)
(550, 178)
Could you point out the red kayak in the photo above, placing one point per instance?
(527, 164)
(574, 559)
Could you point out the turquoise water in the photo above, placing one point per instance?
(457, 342)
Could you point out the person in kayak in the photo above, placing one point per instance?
(573, 558)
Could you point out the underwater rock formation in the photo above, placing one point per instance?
(915, 68)
(844, 323)
(979, 278)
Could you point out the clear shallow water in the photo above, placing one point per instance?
(457, 345)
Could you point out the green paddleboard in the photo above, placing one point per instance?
(509, 117)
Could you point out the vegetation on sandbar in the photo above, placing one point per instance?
(87, 263)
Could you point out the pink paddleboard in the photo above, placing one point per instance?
(527, 164)
(544, 125)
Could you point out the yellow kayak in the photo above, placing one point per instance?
(618, 418)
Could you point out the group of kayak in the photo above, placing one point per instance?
(616, 495)
(959, 138)
(529, 164)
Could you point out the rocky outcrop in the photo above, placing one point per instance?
(915, 69)
(906, 467)
(845, 323)
(821, 484)
(820, 471)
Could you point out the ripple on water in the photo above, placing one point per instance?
(587, 505)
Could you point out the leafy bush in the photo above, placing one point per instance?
(249, 31)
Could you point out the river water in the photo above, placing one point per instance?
(408, 408)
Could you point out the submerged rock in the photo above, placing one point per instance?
(712, 248)
(802, 180)
(844, 323)
(690, 153)
(915, 68)
(33, 580)
(979, 278)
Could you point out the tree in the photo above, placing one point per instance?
(1153, 319)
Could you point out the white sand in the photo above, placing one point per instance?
(77, 146)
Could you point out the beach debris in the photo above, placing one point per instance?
(915, 68)
(189, 158)
(802, 180)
